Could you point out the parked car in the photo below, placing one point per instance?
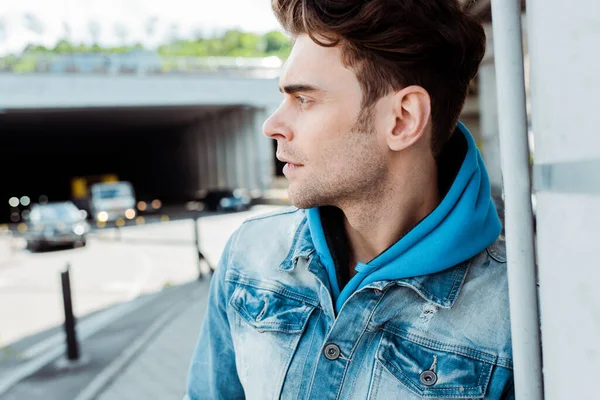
(227, 200)
(56, 224)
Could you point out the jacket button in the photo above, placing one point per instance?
(332, 351)
(428, 378)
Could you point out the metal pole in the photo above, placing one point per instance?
(514, 152)
(71, 335)
(197, 242)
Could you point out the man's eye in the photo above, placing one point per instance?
(302, 99)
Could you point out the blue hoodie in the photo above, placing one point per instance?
(462, 225)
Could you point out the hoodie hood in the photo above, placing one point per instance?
(460, 227)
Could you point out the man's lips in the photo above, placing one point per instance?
(288, 161)
(289, 169)
(290, 166)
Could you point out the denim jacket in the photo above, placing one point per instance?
(271, 330)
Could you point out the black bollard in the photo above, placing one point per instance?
(71, 335)
(197, 242)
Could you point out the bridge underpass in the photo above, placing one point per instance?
(169, 153)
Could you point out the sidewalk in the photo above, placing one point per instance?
(144, 354)
(160, 370)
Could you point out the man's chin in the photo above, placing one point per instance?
(300, 203)
(300, 198)
(296, 197)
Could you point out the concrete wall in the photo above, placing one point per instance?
(565, 83)
(230, 150)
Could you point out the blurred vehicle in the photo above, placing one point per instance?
(110, 201)
(148, 205)
(81, 190)
(227, 200)
(56, 224)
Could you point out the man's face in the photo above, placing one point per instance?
(332, 151)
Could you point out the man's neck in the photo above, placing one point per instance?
(373, 226)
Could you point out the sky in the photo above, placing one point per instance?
(72, 18)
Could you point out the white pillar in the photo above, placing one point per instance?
(564, 38)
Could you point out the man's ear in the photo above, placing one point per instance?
(412, 111)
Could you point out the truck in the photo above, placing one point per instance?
(104, 197)
(110, 201)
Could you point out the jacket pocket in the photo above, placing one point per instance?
(430, 369)
(267, 309)
(267, 323)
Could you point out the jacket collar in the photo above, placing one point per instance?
(441, 288)
(302, 246)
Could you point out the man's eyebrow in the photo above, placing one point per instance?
(300, 87)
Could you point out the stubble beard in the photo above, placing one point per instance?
(360, 177)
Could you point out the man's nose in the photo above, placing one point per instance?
(275, 127)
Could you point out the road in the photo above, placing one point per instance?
(115, 267)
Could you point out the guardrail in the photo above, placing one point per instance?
(138, 63)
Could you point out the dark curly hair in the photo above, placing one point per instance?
(391, 44)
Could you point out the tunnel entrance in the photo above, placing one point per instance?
(43, 150)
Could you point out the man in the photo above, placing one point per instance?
(388, 281)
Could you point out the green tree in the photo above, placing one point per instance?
(30, 48)
(63, 47)
(231, 43)
(277, 44)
